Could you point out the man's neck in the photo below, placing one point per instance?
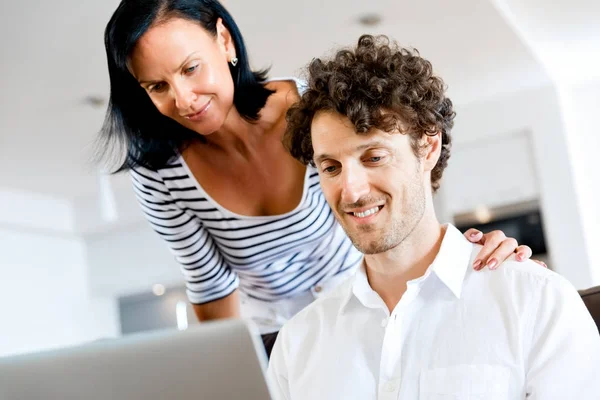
(389, 272)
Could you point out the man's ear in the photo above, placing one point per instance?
(225, 41)
(433, 149)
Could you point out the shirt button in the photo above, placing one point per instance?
(390, 386)
(384, 322)
(318, 289)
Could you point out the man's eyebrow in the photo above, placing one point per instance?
(376, 143)
(321, 157)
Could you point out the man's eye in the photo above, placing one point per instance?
(191, 69)
(330, 169)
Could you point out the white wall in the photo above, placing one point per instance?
(581, 103)
(44, 296)
(564, 38)
(538, 112)
(34, 211)
(129, 260)
(480, 174)
(124, 256)
(62, 268)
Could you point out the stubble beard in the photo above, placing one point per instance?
(369, 239)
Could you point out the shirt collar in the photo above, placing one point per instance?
(450, 266)
(453, 259)
(358, 289)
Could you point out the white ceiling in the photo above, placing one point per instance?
(564, 35)
(53, 57)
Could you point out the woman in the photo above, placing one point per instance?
(203, 132)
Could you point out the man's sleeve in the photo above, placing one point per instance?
(564, 351)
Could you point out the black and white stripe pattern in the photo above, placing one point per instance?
(269, 258)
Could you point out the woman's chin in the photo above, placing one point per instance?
(204, 129)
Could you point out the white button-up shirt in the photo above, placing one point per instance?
(519, 332)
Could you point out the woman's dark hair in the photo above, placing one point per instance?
(379, 85)
(132, 121)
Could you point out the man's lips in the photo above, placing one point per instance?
(364, 212)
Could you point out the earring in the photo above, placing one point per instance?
(234, 61)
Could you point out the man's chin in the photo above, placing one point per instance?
(371, 245)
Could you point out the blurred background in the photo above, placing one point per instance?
(78, 262)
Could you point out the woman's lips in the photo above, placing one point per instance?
(200, 114)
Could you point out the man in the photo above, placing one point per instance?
(416, 322)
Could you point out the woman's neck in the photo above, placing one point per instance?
(236, 133)
(242, 136)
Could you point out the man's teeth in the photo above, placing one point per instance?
(366, 213)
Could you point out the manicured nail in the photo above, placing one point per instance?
(520, 256)
(477, 265)
(474, 234)
(492, 263)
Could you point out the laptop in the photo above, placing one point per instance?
(212, 361)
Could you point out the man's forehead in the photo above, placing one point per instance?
(334, 140)
(327, 119)
(329, 125)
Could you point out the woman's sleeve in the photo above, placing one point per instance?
(208, 277)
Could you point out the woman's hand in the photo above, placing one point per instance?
(497, 248)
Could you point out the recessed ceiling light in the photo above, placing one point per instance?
(94, 101)
(370, 19)
(158, 289)
(483, 214)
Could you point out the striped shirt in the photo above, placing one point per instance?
(269, 258)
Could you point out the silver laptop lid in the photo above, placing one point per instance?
(217, 360)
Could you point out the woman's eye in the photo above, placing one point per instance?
(157, 87)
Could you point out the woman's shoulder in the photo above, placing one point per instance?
(286, 93)
(300, 84)
(173, 170)
(290, 82)
(173, 163)
(144, 171)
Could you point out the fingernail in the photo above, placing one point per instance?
(544, 265)
(492, 263)
(520, 256)
(474, 234)
(477, 265)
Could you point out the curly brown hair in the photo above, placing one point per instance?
(379, 85)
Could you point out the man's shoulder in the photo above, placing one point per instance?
(528, 276)
(322, 310)
(532, 271)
